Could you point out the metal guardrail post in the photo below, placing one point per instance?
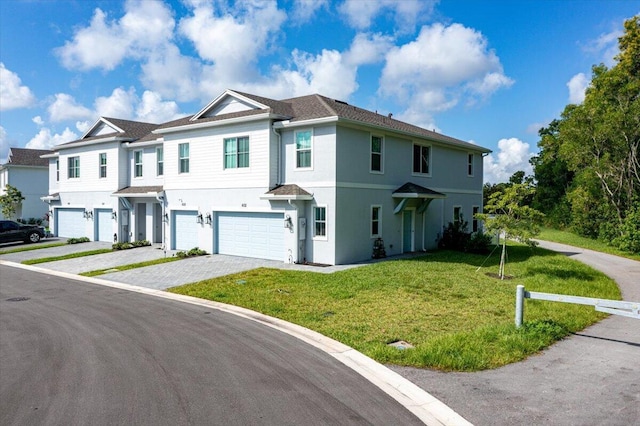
(519, 305)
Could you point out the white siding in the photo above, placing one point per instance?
(89, 179)
(149, 176)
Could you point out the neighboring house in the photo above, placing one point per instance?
(27, 172)
(307, 179)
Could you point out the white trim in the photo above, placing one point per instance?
(472, 164)
(379, 207)
(93, 142)
(381, 153)
(429, 162)
(326, 222)
(188, 158)
(220, 97)
(136, 145)
(295, 145)
(135, 176)
(413, 229)
(357, 185)
(52, 155)
(286, 124)
(105, 121)
(215, 123)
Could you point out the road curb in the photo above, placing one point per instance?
(422, 404)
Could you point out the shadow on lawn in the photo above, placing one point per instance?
(515, 254)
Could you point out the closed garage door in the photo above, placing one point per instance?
(259, 235)
(70, 223)
(185, 230)
(104, 228)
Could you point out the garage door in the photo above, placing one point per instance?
(70, 223)
(185, 230)
(104, 225)
(258, 235)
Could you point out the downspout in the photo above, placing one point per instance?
(295, 232)
(279, 156)
(160, 198)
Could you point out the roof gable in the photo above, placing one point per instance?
(229, 102)
(102, 127)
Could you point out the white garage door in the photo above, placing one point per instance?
(185, 230)
(104, 227)
(258, 235)
(70, 223)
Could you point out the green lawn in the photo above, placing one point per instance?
(66, 256)
(457, 318)
(131, 266)
(565, 237)
(30, 247)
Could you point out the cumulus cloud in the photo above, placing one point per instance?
(361, 14)
(303, 10)
(605, 46)
(12, 93)
(513, 155)
(577, 88)
(104, 44)
(38, 121)
(120, 104)
(65, 107)
(441, 67)
(4, 144)
(45, 139)
(152, 109)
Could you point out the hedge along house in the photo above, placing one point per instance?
(307, 179)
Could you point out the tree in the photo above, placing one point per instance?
(508, 214)
(10, 201)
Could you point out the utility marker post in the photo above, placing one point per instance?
(519, 305)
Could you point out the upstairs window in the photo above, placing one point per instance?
(470, 165)
(376, 153)
(421, 159)
(57, 170)
(376, 221)
(183, 158)
(320, 222)
(74, 167)
(457, 215)
(476, 210)
(102, 160)
(159, 161)
(137, 163)
(303, 149)
(236, 152)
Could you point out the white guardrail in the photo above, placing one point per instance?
(615, 307)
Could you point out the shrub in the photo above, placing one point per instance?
(479, 243)
(191, 253)
(455, 236)
(78, 240)
(630, 239)
(133, 244)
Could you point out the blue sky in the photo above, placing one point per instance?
(489, 72)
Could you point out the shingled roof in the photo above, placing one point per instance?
(27, 157)
(131, 130)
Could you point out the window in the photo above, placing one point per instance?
(74, 167)
(137, 163)
(457, 215)
(470, 165)
(102, 160)
(320, 222)
(57, 170)
(376, 221)
(376, 153)
(303, 149)
(236, 152)
(159, 161)
(476, 210)
(421, 159)
(183, 155)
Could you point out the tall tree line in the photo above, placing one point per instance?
(588, 168)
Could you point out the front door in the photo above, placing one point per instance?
(407, 231)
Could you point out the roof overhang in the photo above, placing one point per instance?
(216, 123)
(139, 191)
(289, 192)
(51, 197)
(91, 142)
(302, 123)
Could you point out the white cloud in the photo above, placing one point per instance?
(83, 126)
(173, 75)
(65, 107)
(605, 46)
(104, 44)
(303, 10)
(4, 144)
(577, 88)
(46, 140)
(12, 93)
(152, 109)
(440, 68)
(38, 121)
(360, 14)
(513, 155)
(120, 104)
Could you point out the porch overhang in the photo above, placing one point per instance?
(51, 197)
(410, 191)
(139, 191)
(290, 192)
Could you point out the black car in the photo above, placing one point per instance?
(11, 231)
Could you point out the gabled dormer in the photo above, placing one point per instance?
(111, 130)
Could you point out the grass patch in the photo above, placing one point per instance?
(66, 256)
(130, 266)
(569, 238)
(32, 247)
(457, 319)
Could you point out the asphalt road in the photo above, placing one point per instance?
(590, 378)
(76, 354)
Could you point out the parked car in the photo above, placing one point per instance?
(11, 231)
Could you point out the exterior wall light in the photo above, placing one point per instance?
(199, 218)
(288, 223)
(114, 215)
(208, 219)
(87, 214)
